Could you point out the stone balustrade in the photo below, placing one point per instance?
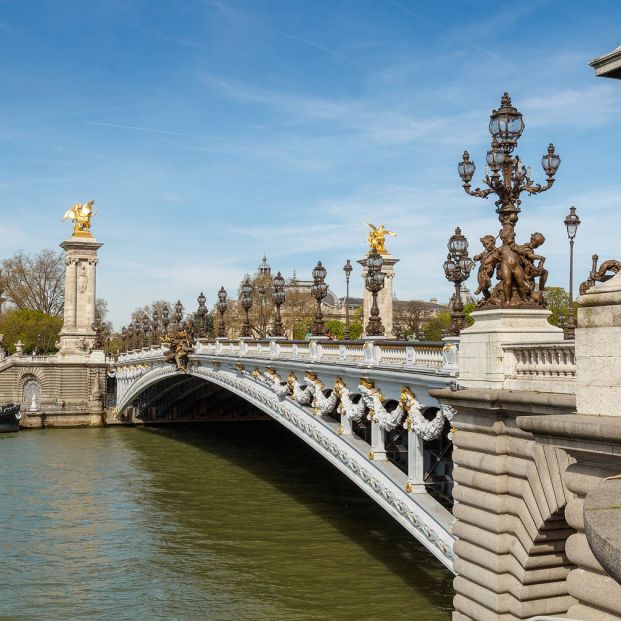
(549, 367)
(435, 356)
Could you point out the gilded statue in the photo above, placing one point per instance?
(179, 348)
(81, 215)
(377, 237)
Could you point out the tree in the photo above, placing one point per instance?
(36, 330)
(35, 281)
(558, 303)
(337, 329)
(437, 327)
(411, 315)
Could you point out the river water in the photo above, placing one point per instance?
(223, 521)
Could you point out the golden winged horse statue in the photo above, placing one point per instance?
(81, 215)
(377, 237)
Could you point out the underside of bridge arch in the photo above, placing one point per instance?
(187, 398)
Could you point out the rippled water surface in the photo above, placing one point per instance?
(221, 521)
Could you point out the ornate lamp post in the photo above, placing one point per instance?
(165, 318)
(124, 338)
(507, 177)
(374, 282)
(572, 222)
(201, 313)
(457, 269)
(130, 336)
(155, 321)
(246, 302)
(347, 268)
(278, 296)
(139, 334)
(261, 292)
(319, 290)
(146, 328)
(222, 306)
(178, 315)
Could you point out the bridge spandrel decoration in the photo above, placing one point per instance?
(327, 401)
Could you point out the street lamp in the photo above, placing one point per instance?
(155, 320)
(146, 327)
(246, 302)
(261, 292)
(457, 269)
(130, 336)
(201, 313)
(178, 314)
(572, 222)
(507, 177)
(347, 268)
(222, 306)
(278, 296)
(165, 318)
(139, 334)
(374, 281)
(124, 338)
(319, 290)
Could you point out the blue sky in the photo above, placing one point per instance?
(212, 131)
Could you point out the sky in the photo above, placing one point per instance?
(210, 132)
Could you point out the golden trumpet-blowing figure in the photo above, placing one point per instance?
(81, 215)
(377, 237)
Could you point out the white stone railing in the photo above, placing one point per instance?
(549, 367)
(351, 353)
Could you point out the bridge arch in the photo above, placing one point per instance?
(416, 512)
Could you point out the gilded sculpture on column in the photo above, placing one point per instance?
(81, 214)
(377, 237)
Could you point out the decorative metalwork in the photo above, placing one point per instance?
(138, 333)
(81, 215)
(347, 268)
(278, 296)
(572, 222)
(457, 270)
(374, 281)
(600, 274)
(246, 302)
(319, 290)
(507, 177)
(400, 334)
(222, 305)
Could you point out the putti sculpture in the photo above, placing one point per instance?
(519, 270)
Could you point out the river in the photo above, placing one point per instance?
(224, 521)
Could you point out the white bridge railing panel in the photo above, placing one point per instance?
(549, 367)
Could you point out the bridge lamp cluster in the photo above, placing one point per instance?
(222, 305)
(246, 303)
(278, 297)
(457, 269)
(374, 282)
(319, 290)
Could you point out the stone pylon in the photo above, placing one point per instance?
(77, 335)
(384, 297)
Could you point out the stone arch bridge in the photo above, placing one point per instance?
(365, 407)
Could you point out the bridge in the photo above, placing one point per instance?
(363, 406)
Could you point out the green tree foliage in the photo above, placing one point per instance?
(558, 303)
(436, 327)
(336, 328)
(36, 330)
